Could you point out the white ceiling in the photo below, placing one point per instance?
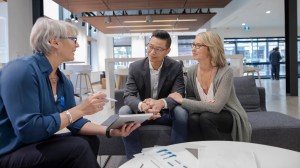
(251, 12)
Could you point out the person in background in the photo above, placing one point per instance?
(37, 100)
(275, 58)
(150, 81)
(210, 95)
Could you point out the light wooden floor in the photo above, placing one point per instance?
(277, 99)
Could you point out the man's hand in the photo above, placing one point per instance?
(155, 106)
(176, 97)
(125, 130)
(145, 107)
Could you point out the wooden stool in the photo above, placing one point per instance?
(120, 79)
(121, 74)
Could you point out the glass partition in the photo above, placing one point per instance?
(256, 52)
(122, 49)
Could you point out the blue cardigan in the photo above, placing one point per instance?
(28, 111)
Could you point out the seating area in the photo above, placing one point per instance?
(268, 127)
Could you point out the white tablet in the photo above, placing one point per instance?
(116, 121)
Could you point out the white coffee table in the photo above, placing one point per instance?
(265, 156)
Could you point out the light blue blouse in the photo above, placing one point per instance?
(28, 111)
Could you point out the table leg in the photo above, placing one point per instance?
(258, 76)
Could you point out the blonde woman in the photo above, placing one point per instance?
(213, 106)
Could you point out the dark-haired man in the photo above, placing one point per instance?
(275, 58)
(150, 81)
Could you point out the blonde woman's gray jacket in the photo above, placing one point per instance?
(225, 98)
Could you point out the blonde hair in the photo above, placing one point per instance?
(46, 29)
(215, 46)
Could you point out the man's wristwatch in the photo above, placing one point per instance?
(107, 133)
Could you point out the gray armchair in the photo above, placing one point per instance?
(269, 128)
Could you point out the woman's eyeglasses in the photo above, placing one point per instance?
(71, 38)
(197, 46)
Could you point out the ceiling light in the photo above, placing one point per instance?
(76, 19)
(148, 18)
(268, 12)
(135, 21)
(107, 20)
(112, 27)
(175, 20)
(171, 29)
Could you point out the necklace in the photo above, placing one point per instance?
(54, 79)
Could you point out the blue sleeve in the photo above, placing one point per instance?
(23, 93)
(76, 126)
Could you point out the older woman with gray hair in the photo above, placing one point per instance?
(37, 100)
(214, 109)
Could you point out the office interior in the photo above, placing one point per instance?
(252, 37)
(251, 28)
(252, 34)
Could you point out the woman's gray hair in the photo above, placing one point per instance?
(215, 46)
(46, 29)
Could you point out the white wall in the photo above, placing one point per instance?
(3, 33)
(174, 46)
(19, 27)
(95, 50)
(138, 46)
(105, 49)
(51, 9)
(81, 51)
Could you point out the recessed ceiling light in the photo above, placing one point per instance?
(137, 26)
(243, 24)
(136, 21)
(172, 29)
(268, 12)
(176, 20)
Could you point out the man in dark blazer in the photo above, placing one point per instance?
(150, 81)
(275, 58)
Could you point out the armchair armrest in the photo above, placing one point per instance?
(262, 97)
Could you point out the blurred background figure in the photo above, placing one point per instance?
(275, 58)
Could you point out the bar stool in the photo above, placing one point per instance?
(88, 84)
(121, 77)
